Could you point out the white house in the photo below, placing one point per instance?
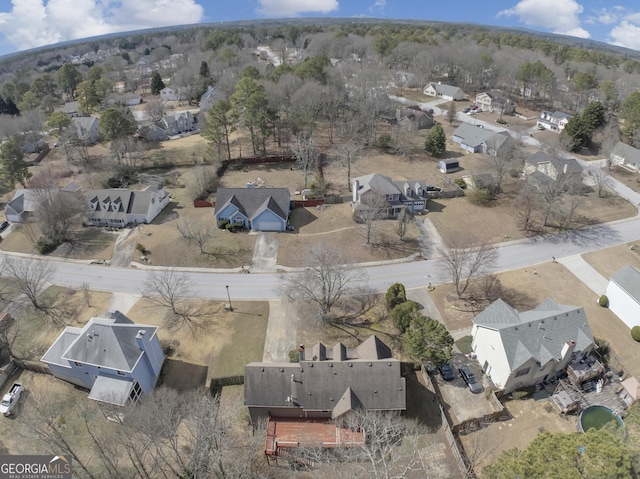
(625, 155)
(555, 121)
(446, 92)
(521, 349)
(170, 94)
(115, 358)
(118, 207)
(623, 292)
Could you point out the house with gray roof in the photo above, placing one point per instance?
(542, 168)
(257, 209)
(118, 207)
(446, 92)
(623, 292)
(518, 349)
(413, 118)
(209, 97)
(553, 121)
(326, 383)
(87, 128)
(22, 205)
(412, 194)
(495, 101)
(626, 156)
(474, 139)
(115, 358)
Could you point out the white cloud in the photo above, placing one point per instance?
(378, 6)
(560, 16)
(293, 8)
(625, 34)
(33, 23)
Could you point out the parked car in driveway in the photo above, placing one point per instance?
(3, 226)
(466, 110)
(447, 372)
(470, 379)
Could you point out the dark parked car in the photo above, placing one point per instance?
(447, 372)
(466, 110)
(3, 226)
(470, 379)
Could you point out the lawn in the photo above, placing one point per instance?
(221, 347)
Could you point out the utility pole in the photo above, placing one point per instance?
(229, 298)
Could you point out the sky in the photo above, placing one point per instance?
(27, 24)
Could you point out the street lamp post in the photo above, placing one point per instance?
(229, 298)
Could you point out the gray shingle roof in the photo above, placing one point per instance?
(628, 278)
(448, 90)
(472, 135)
(330, 385)
(386, 186)
(627, 152)
(108, 342)
(540, 333)
(252, 201)
(562, 165)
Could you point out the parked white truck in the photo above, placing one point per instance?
(11, 399)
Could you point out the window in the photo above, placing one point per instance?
(523, 372)
(120, 373)
(390, 197)
(76, 363)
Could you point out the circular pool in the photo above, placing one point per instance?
(597, 417)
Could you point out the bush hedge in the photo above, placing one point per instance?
(603, 301)
(396, 294)
(635, 333)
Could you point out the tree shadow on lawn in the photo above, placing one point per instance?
(301, 216)
(395, 249)
(85, 244)
(183, 376)
(422, 404)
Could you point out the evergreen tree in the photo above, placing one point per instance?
(156, 83)
(113, 124)
(219, 125)
(578, 133)
(593, 116)
(436, 142)
(14, 168)
(204, 70)
(428, 341)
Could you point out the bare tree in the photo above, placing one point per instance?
(451, 112)
(42, 421)
(30, 279)
(205, 181)
(601, 181)
(198, 234)
(58, 212)
(502, 162)
(127, 152)
(551, 191)
(348, 147)
(170, 290)
(303, 149)
(324, 282)
(464, 262)
(403, 220)
(154, 110)
(372, 208)
(526, 206)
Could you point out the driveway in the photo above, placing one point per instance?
(282, 332)
(124, 247)
(429, 238)
(265, 253)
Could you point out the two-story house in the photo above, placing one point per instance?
(521, 349)
(412, 194)
(115, 358)
(495, 101)
(543, 168)
(554, 121)
(446, 92)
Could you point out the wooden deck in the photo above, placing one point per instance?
(287, 433)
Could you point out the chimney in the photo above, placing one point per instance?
(301, 353)
(568, 348)
(142, 340)
(339, 352)
(356, 187)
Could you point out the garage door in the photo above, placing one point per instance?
(267, 225)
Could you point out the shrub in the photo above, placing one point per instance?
(461, 183)
(169, 346)
(403, 314)
(523, 392)
(45, 245)
(635, 333)
(140, 247)
(294, 356)
(396, 295)
(222, 223)
(479, 196)
(384, 142)
(603, 301)
(500, 121)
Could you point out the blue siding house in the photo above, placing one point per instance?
(257, 209)
(112, 356)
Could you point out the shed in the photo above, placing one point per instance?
(448, 166)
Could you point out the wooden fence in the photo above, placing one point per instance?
(7, 372)
(35, 366)
(218, 383)
(202, 204)
(466, 469)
